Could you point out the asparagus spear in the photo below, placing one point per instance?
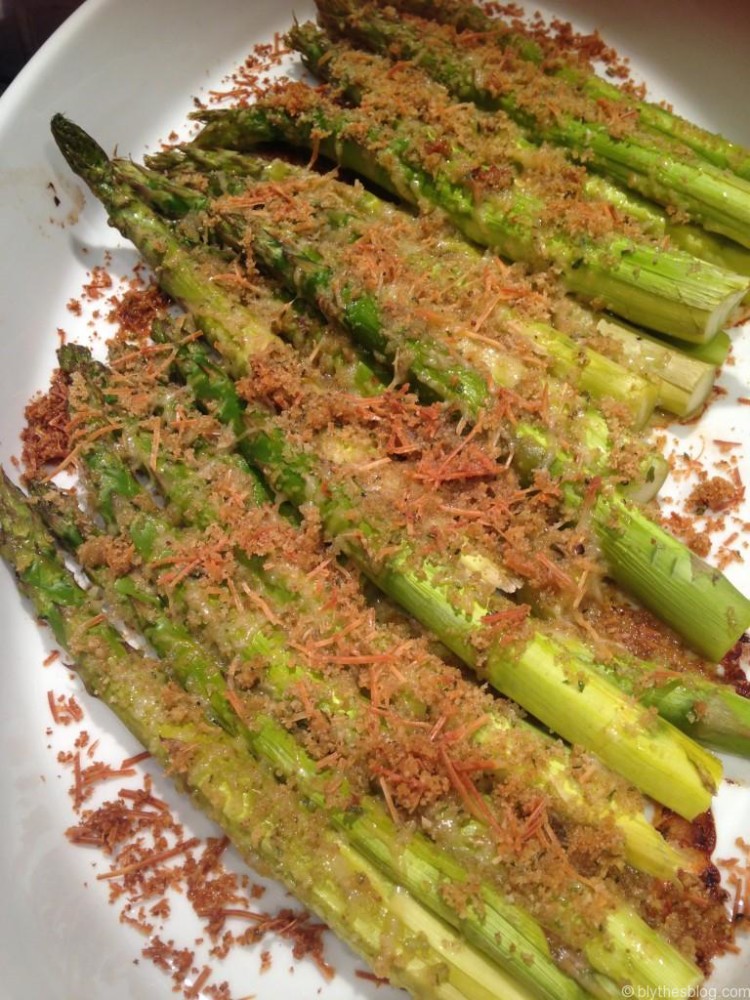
(267, 821)
(536, 670)
(417, 864)
(545, 681)
(467, 16)
(697, 601)
(713, 353)
(682, 375)
(176, 481)
(665, 290)
(343, 214)
(473, 69)
(622, 529)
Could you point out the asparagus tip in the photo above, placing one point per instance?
(84, 155)
(72, 357)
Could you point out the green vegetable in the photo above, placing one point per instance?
(270, 824)
(500, 930)
(665, 290)
(713, 148)
(477, 70)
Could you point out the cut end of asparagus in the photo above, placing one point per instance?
(686, 403)
(564, 693)
(690, 596)
(723, 722)
(652, 965)
(683, 382)
(649, 852)
(647, 486)
(721, 316)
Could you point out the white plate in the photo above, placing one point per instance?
(127, 73)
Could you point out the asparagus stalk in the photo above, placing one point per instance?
(547, 668)
(474, 70)
(371, 832)
(267, 821)
(590, 371)
(682, 378)
(642, 847)
(393, 146)
(467, 16)
(433, 365)
(684, 582)
(161, 249)
(711, 713)
(626, 533)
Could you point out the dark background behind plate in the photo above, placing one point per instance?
(24, 26)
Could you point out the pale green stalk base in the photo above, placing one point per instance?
(696, 600)
(265, 820)
(684, 383)
(585, 713)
